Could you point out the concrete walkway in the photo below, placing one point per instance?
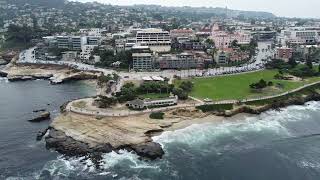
(118, 113)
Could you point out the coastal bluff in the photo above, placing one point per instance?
(75, 134)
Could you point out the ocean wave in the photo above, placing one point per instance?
(63, 167)
(126, 158)
(4, 79)
(271, 122)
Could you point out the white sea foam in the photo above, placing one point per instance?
(309, 164)
(125, 158)
(4, 79)
(271, 121)
(62, 167)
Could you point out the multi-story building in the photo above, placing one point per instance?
(77, 42)
(71, 42)
(221, 57)
(179, 61)
(143, 61)
(93, 40)
(143, 58)
(181, 33)
(299, 35)
(284, 53)
(86, 53)
(63, 42)
(224, 39)
(157, 39)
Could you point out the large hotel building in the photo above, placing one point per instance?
(157, 39)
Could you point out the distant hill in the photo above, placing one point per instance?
(45, 3)
(211, 10)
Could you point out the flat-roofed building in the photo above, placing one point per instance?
(299, 35)
(181, 33)
(157, 39)
(284, 53)
(143, 61)
(224, 39)
(148, 103)
(63, 42)
(179, 61)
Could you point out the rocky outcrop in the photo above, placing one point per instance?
(149, 150)
(3, 62)
(73, 77)
(3, 74)
(297, 100)
(14, 78)
(41, 117)
(66, 145)
(40, 134)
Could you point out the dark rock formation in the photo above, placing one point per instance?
(38, 110)
(149, 150)
(40, 134)
(27, 78)
(43, 116)
(3, 74)
(66, 145)
(20, 78)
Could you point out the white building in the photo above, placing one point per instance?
(299, 35)
(71, 42)
(86, 54)
(96, 32)
(181, 33)
(157, 39)
(224, 39)
(143, 104)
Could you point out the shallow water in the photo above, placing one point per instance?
(275, 145)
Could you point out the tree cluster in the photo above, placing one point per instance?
(183, 90)
(108, 57)
(261, 84)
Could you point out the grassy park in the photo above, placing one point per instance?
(236, 87)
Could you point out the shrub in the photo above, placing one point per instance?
(215, 107)
(157, 115)
(259, 85)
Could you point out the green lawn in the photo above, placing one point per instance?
(154, 95)
(235, 87)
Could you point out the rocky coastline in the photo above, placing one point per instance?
(66, 145)
(275, 105)
(60, 139)
(55, 74)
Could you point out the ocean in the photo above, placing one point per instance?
(277, 145)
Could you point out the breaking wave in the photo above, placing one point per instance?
(273, 123)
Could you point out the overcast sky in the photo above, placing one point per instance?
(287, 8)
